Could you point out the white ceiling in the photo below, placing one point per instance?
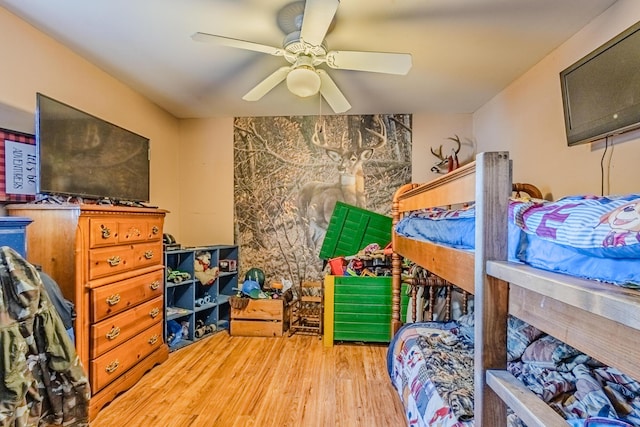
(464, 51)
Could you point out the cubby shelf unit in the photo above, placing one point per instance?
(191, 303)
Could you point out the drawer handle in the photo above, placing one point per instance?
(134, 231)
(155, 229)
(154, 313)
(113, 299)
(155, 285)
(113, 333)
(148, 254)
(153, 339)
(111, 367)
(114, 261)
(106, 232)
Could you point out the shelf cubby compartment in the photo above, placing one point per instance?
(196, 304)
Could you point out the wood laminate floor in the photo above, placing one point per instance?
(246, 381)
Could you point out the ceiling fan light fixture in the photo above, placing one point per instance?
(306, 24)
(303, 81)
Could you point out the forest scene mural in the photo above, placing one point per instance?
(290, 171)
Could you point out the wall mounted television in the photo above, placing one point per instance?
(83, 156)
(601, 92)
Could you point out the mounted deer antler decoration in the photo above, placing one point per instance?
(449, 162)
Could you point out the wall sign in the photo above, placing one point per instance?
(18, 166)
(21, 168)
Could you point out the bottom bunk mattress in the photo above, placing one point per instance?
(431, 367)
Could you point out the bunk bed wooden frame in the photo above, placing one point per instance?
(598, 319)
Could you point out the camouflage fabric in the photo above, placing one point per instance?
(43, 382)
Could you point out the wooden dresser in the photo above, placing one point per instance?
(108, 261)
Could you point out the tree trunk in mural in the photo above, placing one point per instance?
(290, 172)
(246, 173)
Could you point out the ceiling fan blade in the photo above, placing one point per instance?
(240, 44)
(332, 94)
(267, 84)
(377, 62)
(317, 17)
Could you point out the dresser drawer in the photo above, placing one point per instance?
(112, 260)
(144, 229)
(154, 229)
(117, 231)
(147, 254)
(117, 329)
(116, 362)
(103, 232)
(116, 297)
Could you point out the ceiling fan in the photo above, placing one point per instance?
(306, 24)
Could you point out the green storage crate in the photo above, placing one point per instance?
(362, 309)
(351, 229)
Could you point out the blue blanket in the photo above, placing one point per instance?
(592, 237)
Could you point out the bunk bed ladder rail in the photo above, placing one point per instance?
(495, 387)
(492, 191)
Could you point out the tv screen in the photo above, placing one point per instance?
(83, 156)
(601, 92)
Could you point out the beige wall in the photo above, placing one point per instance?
(206, 182)
(36, 63)
(432, 131)
(527, 119)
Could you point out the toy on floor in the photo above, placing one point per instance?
(174, 333)
(202, 329)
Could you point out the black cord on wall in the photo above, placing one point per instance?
(606, 145)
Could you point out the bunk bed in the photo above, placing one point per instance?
(598, 319)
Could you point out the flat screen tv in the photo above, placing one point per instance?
(601, 92)
(83, 156)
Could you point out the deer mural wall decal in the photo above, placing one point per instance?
(316, 200)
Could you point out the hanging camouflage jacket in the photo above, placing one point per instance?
(43, 382)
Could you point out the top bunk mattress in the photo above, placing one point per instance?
(592, 237)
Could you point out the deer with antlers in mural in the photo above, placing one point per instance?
(317, 199)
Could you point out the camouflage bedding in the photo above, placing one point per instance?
(43, 380)
(431, 367)
(574, 384)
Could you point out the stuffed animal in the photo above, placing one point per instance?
(185, 329)
(203, 270)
